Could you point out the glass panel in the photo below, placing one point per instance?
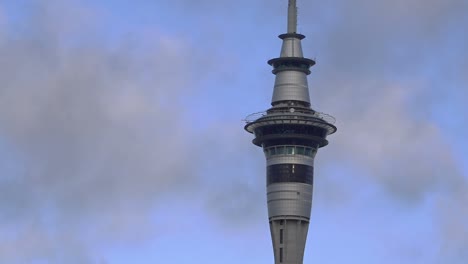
(300, 150)
(290, 150)
(280, 150)
(273, 151)
(308, 151)
(289, 173)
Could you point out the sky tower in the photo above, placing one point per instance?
(290, 133)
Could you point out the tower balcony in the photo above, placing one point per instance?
(295, 126)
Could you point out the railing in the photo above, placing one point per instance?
(293, 111)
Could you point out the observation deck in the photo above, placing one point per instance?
(300, 123)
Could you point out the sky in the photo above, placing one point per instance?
(122, 141)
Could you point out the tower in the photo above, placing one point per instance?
(290, 133)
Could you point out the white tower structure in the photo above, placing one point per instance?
(290, 133)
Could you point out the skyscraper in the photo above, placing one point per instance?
(290, 133)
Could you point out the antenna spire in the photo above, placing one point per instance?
(292, 16)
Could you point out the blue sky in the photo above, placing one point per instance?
(121, 138)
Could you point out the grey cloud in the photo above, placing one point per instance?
(408, 156)
(384, 69)
(233, 173)
(382, 38)
(93, 135)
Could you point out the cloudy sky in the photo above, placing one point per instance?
(121, 138)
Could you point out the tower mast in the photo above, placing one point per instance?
(292, 16)
(290, 134)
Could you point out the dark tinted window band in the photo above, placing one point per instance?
(290, 173)
(290, 129)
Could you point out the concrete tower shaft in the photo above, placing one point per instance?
(290, 133)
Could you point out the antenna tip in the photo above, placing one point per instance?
(292, 16)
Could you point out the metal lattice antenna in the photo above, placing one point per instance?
(292, 16)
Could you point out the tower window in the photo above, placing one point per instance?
(300, 150)
(280, 150)
(290, 173)
(289, 150)
(273, 151)
(281, 236)
(281, 255)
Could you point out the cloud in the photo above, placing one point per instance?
(386, 72)
(93, 135)
(375, 78)
(234, 176)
